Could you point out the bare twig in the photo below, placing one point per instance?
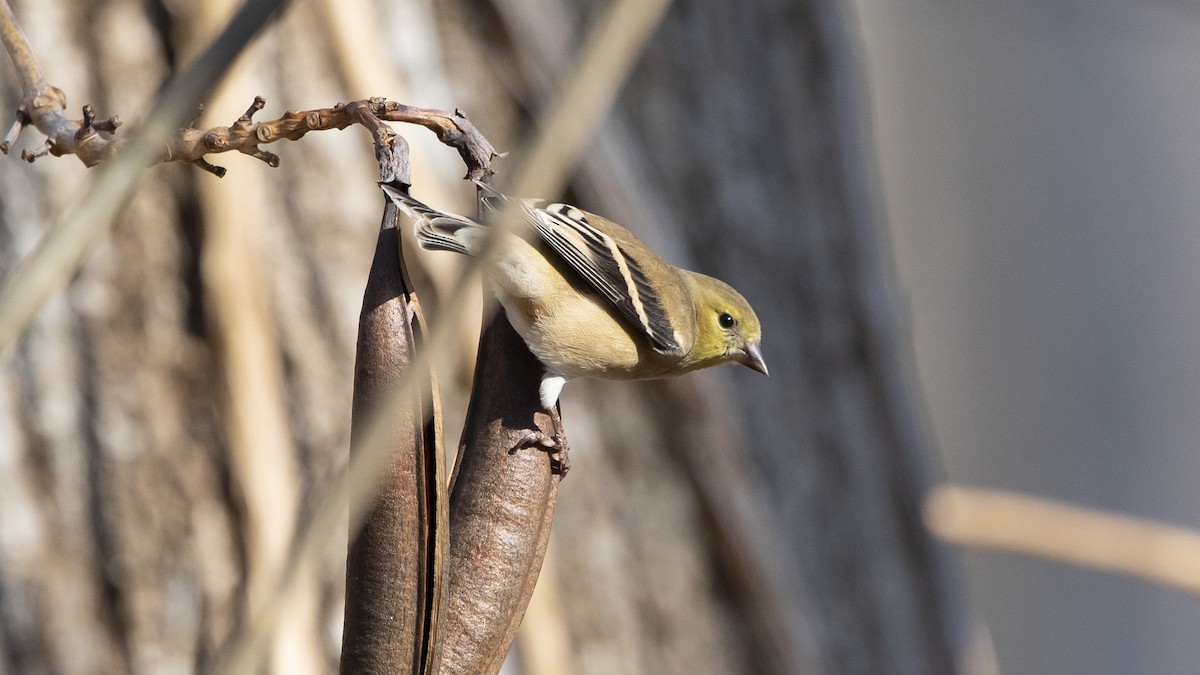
(1007, 521)
(34, 88)
(91, 142)
(43, 106)
(391, 151)
(245, 136)
(29, 71)
(61, 252)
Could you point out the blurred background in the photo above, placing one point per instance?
(964, 226)
(1039, 164)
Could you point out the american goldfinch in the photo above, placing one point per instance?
(592, 300)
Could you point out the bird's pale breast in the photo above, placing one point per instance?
(570, 329)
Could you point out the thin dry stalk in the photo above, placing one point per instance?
(1007, 521)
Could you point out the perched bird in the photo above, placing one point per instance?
(592, 300)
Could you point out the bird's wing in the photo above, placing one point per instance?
(603, 264)
(435, 230)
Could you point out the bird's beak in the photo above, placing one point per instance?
(751, 357)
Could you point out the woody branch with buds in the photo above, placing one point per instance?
(44, 107)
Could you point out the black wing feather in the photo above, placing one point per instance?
(601, 262)
(612, 272)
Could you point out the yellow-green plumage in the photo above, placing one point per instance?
(652, 320)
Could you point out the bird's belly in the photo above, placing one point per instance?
(582, 340)
(571, 330)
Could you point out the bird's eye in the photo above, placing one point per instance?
(726, 320)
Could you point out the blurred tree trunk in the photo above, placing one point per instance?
(719, 523)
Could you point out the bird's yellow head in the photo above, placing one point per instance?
(727, 330)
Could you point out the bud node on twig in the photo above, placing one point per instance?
(92, 147)
(109, 125)
(218, 171)
(31, 155)
(270, 158)
(14, 131)
(215, 142)
(195, 118)
(258, 104)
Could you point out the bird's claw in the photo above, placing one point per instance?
(554, 444)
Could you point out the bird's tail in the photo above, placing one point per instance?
(437, 230)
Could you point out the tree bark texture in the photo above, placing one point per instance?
(717, 523)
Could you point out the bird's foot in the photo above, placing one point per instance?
(554, 444)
